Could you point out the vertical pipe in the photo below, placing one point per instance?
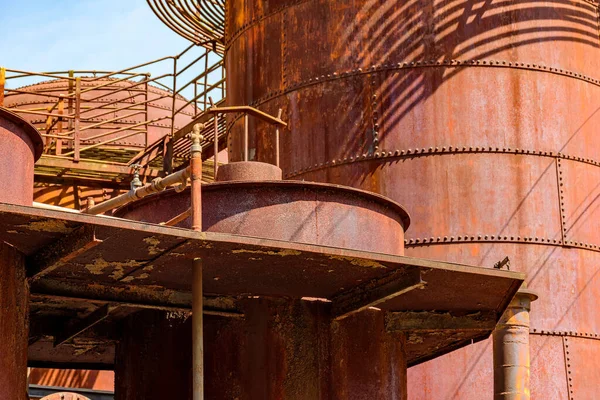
(77, 116)
(245, 137)
(196, 177)
(2, 84)
(216, 144)
(197, 332)
(197, 299)
(511, 349)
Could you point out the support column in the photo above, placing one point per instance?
(14, 321)
(511, 349)
(154, 358)
(292, 350)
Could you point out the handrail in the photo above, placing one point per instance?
(119, 91)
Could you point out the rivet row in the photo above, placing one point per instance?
(536, 331)
(410, 153)
(478, 238)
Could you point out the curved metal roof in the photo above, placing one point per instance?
(200, 21)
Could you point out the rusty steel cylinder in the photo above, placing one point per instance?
(511, 350)
(480, 117)
(14, 324)
(20, 146)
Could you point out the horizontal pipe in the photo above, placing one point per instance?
(157, 185)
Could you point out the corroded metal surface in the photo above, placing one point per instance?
(82, 256)
(155, 347)
(300, 212)
(21, 146)
(14, 324)
(248, 171)
(65, 396)
(479, 118)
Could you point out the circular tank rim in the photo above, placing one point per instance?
(298, 184)
(34, 135)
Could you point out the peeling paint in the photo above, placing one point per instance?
(359, 262)
(51, 225)
(153, 248)
(282, 253)
(100, 265)
(414, 339)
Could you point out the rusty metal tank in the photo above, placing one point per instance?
(480, 117)
(20, 146)
(304, 212)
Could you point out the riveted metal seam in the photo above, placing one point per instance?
(568, 367)
(561, 200)
(284, 47)
(437, 151)
(480, 238)
(374, 112)
(411, 65)
(257, 20)
(500, 239)
(546, 332)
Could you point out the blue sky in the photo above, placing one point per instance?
(43, 35)
(100, 35)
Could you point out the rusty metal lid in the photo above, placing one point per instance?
(404, 215)
(34, 135)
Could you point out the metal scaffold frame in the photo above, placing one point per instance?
(116, 104)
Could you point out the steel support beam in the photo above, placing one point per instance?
(376, 292)
(58, 253)
(431, 321)
(77, 327)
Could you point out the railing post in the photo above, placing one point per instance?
(216, 144)
(70, 103)
(59, 125)
(205, 79)
(146, 111)
(2, 84)
(48, 128)
(277, 139)
(245, 137)
(76, 137)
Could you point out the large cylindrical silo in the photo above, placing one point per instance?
(479, 117)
